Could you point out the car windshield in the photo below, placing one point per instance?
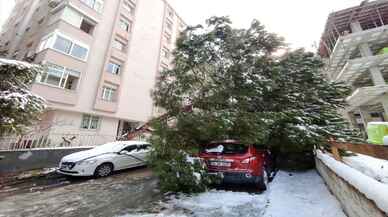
(226, 148)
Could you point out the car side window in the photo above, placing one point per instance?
(130, 148)
(144, 147)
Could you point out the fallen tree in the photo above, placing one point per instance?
(238, 89)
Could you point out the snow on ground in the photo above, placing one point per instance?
(295, 195)
(370, 166)
(371, 188)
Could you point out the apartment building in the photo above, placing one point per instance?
(102, 59)
(355, 45)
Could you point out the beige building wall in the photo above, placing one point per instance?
(142, 52)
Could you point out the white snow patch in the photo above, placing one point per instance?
(370, 166)
(371, 188)
(299, 195)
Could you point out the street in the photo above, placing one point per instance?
(57, 195)
(134, 193)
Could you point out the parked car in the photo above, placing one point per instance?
(103, 160)
(239, 163)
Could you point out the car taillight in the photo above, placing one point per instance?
(248, 160)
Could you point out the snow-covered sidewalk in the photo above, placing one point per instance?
(290, 195)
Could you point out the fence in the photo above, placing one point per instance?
(377, 151)
(53, 141)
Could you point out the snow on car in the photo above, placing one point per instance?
(103, 160)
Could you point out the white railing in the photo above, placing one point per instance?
(53, 141)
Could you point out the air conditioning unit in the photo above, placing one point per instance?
(54, 3)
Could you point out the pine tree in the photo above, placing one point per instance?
(238, 89)
(19, 108)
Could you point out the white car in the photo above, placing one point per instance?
(103, 160)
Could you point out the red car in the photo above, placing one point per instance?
(238, 163)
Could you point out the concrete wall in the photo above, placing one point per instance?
(17, 161)
(354, 203)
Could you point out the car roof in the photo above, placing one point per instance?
(132, 142)
(228, 141)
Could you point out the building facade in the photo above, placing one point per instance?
(355, 45)
(102, 59)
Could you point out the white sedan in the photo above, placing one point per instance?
(103, 160)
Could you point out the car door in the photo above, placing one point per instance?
(142, 153)
(124, 159)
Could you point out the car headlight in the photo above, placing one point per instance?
(87, 162)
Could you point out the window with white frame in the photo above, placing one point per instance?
(64, 45)
(165, 53)
(59, 76)
(108, 93)
(169, 25)
(125, 25)
(118, 45)
(167, 36)
(75, 18)
(97, 5)
(127, 5)
(114, 68)
(90, 122)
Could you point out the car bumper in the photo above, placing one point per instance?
(239, 178)
(77, 171)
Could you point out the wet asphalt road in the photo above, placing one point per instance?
(57, 195)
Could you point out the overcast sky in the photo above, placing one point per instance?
(301, 22)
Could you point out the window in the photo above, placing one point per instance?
(76, 19)
(108, 93)
(90, 122)
(41, 21)
(165, 53)
(60, 76)
(168, 38)
(79, 51)
(28, 29)
(87, 26)
(169, 25)
(170, 13)
(125, 25)
(114, 68)
(97, 5)
(129, 7)
(118, 45)
(64, 45)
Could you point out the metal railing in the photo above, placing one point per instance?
(53, 141)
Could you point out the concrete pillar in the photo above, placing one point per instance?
(365, 51)
(364, 116)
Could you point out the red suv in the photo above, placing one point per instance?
(238, 163)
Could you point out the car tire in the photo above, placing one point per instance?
(103, 170)
(263, 182)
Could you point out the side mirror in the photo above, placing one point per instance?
(123, 152)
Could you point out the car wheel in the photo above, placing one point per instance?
(104, 170)
(263, 183)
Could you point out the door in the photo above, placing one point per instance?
(124, 159)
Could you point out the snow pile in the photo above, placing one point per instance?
(370, 166)
(295, 195)
(371, 188)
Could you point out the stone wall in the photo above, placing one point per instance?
(354, 203)
(22, 160)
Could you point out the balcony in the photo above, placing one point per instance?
(347, 46)
(355, 68)
(55, 95)
(366, 96)
(105, 106)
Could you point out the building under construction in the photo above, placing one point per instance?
(355, 44)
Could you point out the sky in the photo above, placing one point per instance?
(300, 22)
(5, 8)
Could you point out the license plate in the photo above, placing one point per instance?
(220, 164)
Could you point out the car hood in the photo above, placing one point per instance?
(83, 155)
